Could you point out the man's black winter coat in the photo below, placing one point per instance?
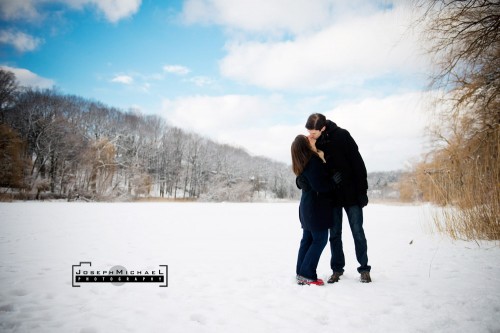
(342, 154)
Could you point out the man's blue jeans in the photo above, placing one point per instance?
(355, 217)
(311, 246)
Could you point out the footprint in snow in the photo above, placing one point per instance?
(199, 318)
(7, 308)
(19, 292)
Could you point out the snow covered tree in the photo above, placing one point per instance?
(81, 148)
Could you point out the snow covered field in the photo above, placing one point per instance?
(232, 269)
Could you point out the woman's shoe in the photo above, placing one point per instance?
(305, 281)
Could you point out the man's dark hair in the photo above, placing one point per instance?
(316, 121)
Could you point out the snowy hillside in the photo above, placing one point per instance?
(231, 268)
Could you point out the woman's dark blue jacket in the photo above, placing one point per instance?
(316, 207)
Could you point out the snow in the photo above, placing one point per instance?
(232, 269)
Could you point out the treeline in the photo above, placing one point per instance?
(61, 146)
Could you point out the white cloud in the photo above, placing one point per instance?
(271, 16)
(201, 81)
(18, 9)
(113, 10)
(125, 79)
(310, 45)
(19, 40)
(320, 47)
(388, 130)
(240, 120)
(255, 15)
(27, 78)
(218, 116)
(176, 69)
(348, 52)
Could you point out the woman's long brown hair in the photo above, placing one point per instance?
(301, 153)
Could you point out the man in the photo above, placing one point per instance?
(342, 156)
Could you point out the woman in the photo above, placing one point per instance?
(315, 210)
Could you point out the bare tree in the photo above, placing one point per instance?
(464, 168)
(12, 162)
(8, 89)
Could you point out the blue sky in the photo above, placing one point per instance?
(244, 72)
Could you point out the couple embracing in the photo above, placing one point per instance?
(332, 176)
